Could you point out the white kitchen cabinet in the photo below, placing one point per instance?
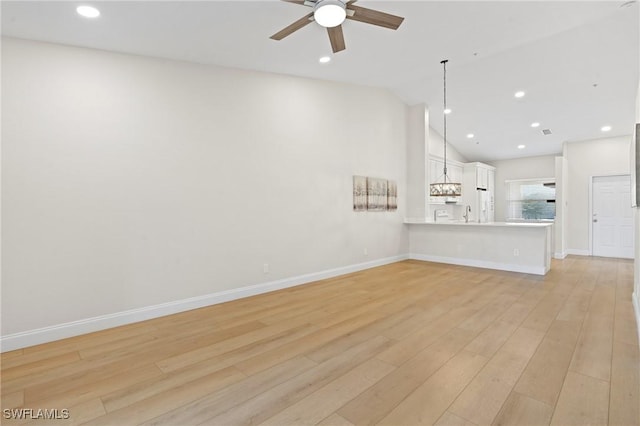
(482, 178)
(455, 172)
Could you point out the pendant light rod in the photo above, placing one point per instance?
(444, 65)
(446, 188)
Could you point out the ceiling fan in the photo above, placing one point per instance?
(332, 13)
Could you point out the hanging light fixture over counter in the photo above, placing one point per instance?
(445, 188)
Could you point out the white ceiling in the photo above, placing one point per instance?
(555, 51)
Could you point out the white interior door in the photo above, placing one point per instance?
(612, 220)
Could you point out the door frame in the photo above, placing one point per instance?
(591, 178)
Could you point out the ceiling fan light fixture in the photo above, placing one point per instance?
(329, 13)
(88, 11)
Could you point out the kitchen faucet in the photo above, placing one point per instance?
(467, 210)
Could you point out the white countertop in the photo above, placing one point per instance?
(418, 221)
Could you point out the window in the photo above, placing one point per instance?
(530, 200)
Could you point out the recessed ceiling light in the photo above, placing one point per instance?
(519, 94)
(447, 111)
(88, 11)
(536, 124)
(522, 146)
(605, 128)
(324, 59)
(470, 135)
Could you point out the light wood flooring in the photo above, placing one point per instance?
(403, 344)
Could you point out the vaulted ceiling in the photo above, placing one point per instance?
(576, 61)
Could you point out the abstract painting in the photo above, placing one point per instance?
(376, 194)
(359, 193)
(392, 195)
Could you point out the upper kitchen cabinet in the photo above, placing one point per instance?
(479, 176)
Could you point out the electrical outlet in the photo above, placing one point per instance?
(265, 268)
(516, 252)
(365, 252)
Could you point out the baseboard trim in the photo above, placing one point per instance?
(480, 264)
(579, 252)
(560, 255)
(75, 328)
(636, 309)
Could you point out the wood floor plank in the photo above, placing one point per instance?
(40, 366)
(488, 314)
(545, 312)
(429, 401)
(260, 408)
(92, 339)
(624, 403)
(483, 398)
(450, 419)
(161, 403)
(593, 351)
(577, 304)
(424, 336)
(320, 404)
(524, 342)
(544, 375)
(523, 306)
(144, 389)
(335, 420)
(492, 338)
(13, 399)
(218, 402)
(10, 355)
(625, 327)
(377, 401)
(406, 343)
(78, 391)
(583, 401)
(305, 344)
(218, 348)
(79, 414)
(346, 341)
(116, 362)
(521, 410)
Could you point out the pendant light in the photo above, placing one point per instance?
(445, 188)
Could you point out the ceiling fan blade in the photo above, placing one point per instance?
(293, 27)
(337, 38)
(301, 2)
(375, 17)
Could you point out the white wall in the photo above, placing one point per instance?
(636, 284)
(417, 166)
(129, 181)
(519, 168)
(560, 224)
(600, 157)
(436, 147)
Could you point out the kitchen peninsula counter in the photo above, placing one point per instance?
(508, 246)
